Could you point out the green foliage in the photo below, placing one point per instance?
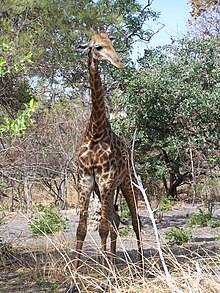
(19, 125)
(166, 204)
(2, 65)
(2, 221)
(214, 224)
(178, 236)
(48, 286)
(125, 212)
(172, 99)
(10, 62)
(50, 222)
(38, 41)
(124, 232)
(200, 219)
(49, 30)
(218, 237)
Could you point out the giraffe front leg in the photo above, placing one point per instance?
(105, 222)
(80, 237)
(84, 197)
(81, 234)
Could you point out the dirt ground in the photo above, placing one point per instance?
(21, 243)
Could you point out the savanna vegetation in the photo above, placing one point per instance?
(169, 97)
(44, 99)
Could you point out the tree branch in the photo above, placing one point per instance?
(139, 185)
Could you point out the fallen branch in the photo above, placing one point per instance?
(140, 186)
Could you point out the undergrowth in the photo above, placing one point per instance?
(124, 232)
(6, 251)
(215, 223)
(50, 222)
(125, 212)
(177, 236)
(200, 219)
(166, 204)
(47, 286)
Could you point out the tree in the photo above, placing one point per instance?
(205, 19)
(45, 155)
(172, 99)
(51, 30)
(39, 61)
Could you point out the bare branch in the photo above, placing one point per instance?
(139, 185)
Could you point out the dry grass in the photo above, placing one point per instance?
(51, 271)
(199, 275)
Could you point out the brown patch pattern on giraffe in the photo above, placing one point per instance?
(104, 160)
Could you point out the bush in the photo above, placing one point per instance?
(178, 236)
(200, 219)
(125, 212)
(124, 232)
(166, 204)
(214, 224)
(50, 222)
(48, 286)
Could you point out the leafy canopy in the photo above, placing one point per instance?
(173, 101)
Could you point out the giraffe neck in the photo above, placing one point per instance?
(98, 121)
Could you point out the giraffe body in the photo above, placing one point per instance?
(104, 161)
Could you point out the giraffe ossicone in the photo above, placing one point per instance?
(104, 159)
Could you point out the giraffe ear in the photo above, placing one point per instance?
(83, 47)
(103, 31)
(104, 34)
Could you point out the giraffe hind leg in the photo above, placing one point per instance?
(131, 199)
(113, 234)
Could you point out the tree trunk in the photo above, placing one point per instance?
(28, 195)
(11, 200)
(63, 188)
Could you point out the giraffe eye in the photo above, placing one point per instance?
(99, 48)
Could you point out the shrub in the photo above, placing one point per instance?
(166, 204)
(124, 232)
(200, 219)
(48, 286)
(178, 236)
(50, 222)
(125, 212)
(215, 224)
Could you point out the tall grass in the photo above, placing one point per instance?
(52, 270)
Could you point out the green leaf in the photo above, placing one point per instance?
(2, 71)
(2, 61)
(6, 45)
(27, 56)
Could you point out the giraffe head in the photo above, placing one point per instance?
(101, 48)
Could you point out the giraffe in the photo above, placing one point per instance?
(103, 162)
